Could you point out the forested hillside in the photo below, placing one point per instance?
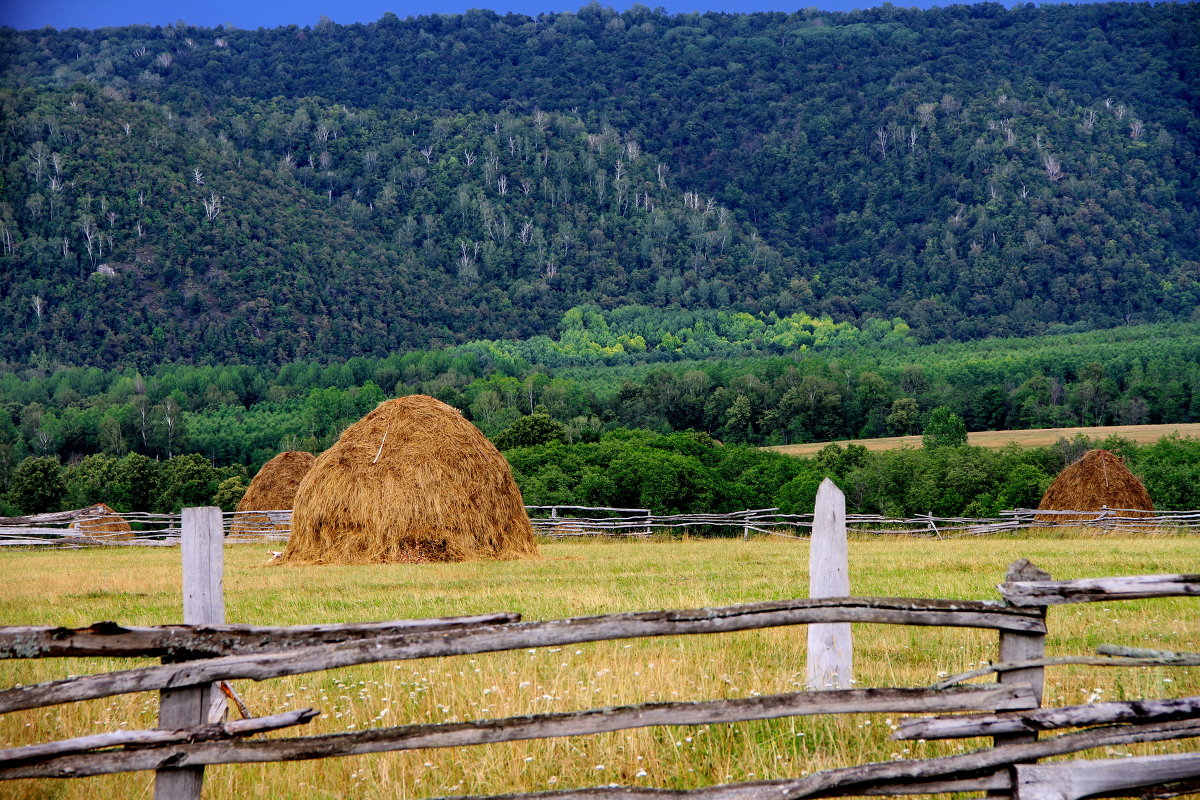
(265, 196)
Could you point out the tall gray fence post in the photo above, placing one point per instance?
(1020, 646)
(203, 553)
(830, 648)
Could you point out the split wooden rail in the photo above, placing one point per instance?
(196, 656)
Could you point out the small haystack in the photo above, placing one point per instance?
(102, 522)
(273, 489)
(1098, 479)
(412, 481)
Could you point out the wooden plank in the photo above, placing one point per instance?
(1097, 778)
(1093, 590)
(851, 701)
(159, 736)
(831, 783)
(203, 554)
(521, 635)
(830, 646)
(1174, 660)
(1045, 719)
(112, 640)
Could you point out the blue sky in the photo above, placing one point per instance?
(28, 14)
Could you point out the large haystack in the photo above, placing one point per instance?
(411, 481)
(1098, 479)
(273, 489)
(102, 522)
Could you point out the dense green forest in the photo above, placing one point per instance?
(261, 197)
(835, 382)
(671, 473)
(605, 404)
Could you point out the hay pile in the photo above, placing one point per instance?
(1098, 479)
(102, 522)
(273, 489)
(412, 481)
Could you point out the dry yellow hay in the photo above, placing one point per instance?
(101, 521)
(273, 489)
(1096, 480)
(412, 481)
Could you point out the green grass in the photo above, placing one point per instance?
(141, 586)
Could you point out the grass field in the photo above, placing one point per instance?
(141, 586)
(1142, 434)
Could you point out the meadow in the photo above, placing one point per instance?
(141, 586)
(1040, 437)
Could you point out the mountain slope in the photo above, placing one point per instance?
(411, 183)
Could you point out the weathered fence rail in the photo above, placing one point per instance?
(76, 529)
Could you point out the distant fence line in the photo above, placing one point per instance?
(85, 527)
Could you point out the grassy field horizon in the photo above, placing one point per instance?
(1040, 437)
(140, 586)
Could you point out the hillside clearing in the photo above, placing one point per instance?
(1041, 437)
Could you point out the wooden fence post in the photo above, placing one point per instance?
(203, 554)
(1020, 646)
(830, 648)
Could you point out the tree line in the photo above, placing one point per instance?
(839, 383)
(686, 472)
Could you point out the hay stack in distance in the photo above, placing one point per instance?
(1098, 479)
(412, 481)
(273, 489)
(102, 522)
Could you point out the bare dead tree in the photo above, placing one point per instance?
(198, 176)
(502, 184)
(1053, 167)
(170, 412)
(212, 206)
(469, 157)
(881, 140)
(1135, 129)
(38, 157)
(88, 226)
(428, 153)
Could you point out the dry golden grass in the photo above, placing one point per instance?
(141, 586)
(1142, 434)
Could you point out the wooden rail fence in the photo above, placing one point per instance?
(75, 529)
(204, 654)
